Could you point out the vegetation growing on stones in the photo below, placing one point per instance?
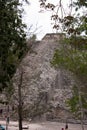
(73, 52)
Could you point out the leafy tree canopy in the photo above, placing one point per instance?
(74, 105)
(12, 39)
(72, 55)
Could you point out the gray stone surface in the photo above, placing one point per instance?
(39, 76)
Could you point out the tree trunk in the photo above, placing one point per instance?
(20, 102)
(81, 109)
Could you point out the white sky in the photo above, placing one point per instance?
(39, 20)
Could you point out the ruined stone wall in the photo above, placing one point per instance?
(42, 83)
(53, 36)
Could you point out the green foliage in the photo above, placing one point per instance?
(33, 37)
(73, 102)
(83, 26)
(81, 3)
(72, 56)
(12, 39)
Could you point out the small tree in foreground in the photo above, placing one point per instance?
(72, 55)
(77, 103)
(74, 58)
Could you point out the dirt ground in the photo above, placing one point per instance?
(42, 126)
